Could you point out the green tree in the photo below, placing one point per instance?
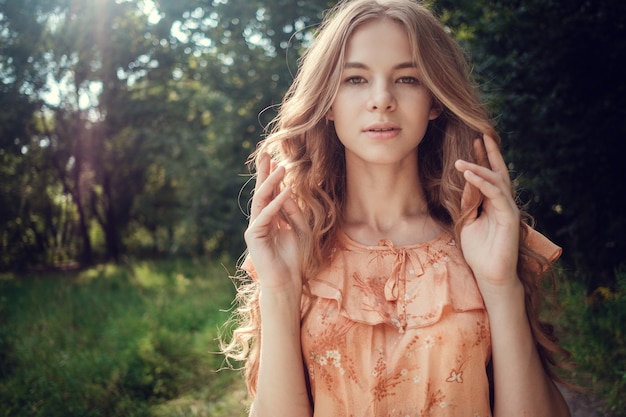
(153, 110)
(551, 70)
(23, 181)
(251, 51)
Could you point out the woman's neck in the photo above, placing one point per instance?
(387, 202)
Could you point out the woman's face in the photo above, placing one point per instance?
(381, 110)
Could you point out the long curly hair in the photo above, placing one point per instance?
(305, 142)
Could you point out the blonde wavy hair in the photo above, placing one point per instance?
(305, 142)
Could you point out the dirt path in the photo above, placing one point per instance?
(582, 405)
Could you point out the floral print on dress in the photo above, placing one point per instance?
(396, 331)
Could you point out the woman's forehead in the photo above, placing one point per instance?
(381, 40)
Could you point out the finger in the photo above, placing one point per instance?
(495, 193)
(265, 190)
(294, 216)
(496, 160)
(261, 226)
(263, 167)
(469, 193)
(481, 153)
(489, 162)
(482, 177)
(486, 187)
(483, 172)
(262, 172)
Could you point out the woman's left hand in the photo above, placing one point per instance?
(490, 236)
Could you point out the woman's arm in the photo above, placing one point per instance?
(273, 245)
(490, 244)
(521, 385)
(281, 387)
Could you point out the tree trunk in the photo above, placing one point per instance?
(86, 257)
(110, 226)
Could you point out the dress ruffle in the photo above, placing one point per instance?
(542, 245)
(406, 287)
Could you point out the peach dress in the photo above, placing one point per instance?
(399, 331)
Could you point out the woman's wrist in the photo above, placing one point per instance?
(503, 297)
(283, 299)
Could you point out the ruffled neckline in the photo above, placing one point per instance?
(385, 244)
(406, 287)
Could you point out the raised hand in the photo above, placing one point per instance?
(272, 234)
(490, 237)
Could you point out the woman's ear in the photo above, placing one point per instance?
(435, 110)
(330, 115)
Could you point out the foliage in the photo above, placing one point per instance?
(136, 118)
(113, 340)
(551, 71)
(594, 331)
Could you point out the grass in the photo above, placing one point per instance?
(594, 331)
(138, 340)
(117, 341)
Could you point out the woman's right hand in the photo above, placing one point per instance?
(272, 234)
(275, 249)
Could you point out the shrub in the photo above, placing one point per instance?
(115, 341)
(594, 330)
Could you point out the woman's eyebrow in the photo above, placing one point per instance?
(359, 65)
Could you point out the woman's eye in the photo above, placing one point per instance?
(408, 80)
(355, 80)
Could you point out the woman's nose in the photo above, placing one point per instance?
(381, 98)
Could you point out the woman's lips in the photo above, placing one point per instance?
(382, 131)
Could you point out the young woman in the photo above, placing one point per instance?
(393, 273)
